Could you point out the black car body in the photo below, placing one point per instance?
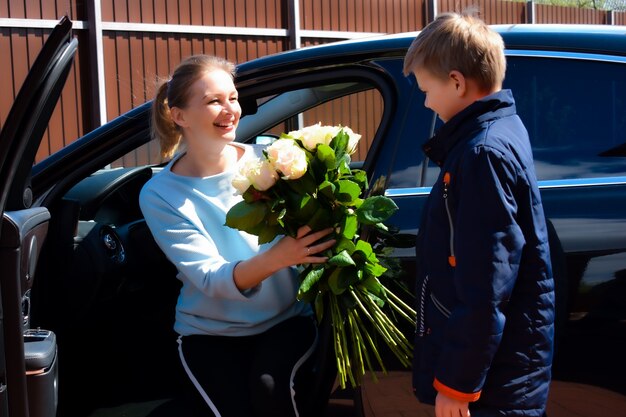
(107, 294)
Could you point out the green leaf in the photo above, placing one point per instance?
(381, 226)
(327, 188)
(256, 230)
(364, 247)
(343, 165)
(277, 204)
(376, 299)
(360, 177)
(271, 218)
(340, 144)
(306, 184)
(310, 280)
(320, 220)
(347, 191)
(251, 195)
(269, 233)
(349, 227)
(344, 244)
(373, 285)
(342, 278)
(245, 216)
(343, 258)
(319, 306)
(326, 155)
(281, 214)
(374, 269)
(304, 209)
(376, 209)
(334, 282)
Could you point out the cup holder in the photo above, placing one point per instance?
(40, 352)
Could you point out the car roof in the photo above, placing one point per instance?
(595, 39)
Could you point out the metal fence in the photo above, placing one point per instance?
(127, 45)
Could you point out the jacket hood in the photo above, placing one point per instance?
(458, 128)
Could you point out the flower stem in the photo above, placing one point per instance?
(401, 307)
(392, 336)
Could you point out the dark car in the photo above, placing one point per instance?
(88, 298)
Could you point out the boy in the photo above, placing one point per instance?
(484, 290)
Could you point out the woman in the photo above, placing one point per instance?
(243, 334)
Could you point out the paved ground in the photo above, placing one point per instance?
(392, 397)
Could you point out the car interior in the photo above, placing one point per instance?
(105, 294)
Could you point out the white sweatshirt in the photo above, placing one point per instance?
(186, 215)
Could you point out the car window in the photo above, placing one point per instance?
(357, 105)
(360, 111)
(575, 112)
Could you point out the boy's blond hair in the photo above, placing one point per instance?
(461, 42)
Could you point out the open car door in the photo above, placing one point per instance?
(28, 374)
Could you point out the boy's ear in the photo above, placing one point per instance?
(459, 80)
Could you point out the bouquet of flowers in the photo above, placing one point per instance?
(305, 179)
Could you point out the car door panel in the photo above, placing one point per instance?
(23, 231)
(23, 234)
(590, 225)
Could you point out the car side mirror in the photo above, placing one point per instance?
(265, 139)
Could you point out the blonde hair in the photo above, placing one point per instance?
(461, 42)
(176, 93)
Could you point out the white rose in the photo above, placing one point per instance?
(241, 181)
(353, 140)
(263, 175)
(313, 135)
(256, 172)
(288, 158)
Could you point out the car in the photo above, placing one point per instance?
(88, 298)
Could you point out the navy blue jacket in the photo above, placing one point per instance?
(485, 292)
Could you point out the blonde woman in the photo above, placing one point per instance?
(243, 335)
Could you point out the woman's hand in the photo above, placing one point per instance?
(303, 249)
(288, 251)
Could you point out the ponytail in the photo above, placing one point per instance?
(163, 127)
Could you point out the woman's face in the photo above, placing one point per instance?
(213, 109)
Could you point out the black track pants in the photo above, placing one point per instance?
(250, 376)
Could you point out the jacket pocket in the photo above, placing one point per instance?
(440, 306)
(446, 201)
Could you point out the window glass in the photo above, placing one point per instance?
(574, 110)
(575, 113)
(147, 154)
(360, 111)
(356, 105)
(416, 128)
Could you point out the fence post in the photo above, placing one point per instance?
(431, 11)
(295, 40)
(293, 23)
(96, 63)
(531, 11)
(610, 17)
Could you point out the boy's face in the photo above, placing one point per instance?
(443, 96)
